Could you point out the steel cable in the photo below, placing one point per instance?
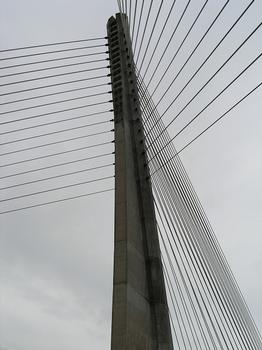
(57, 176)
(56, 165)
(55, 112)
(55, 60)
(54, 85)
(51, 52)
(55, 142)
(203, 109)
(54, 76)
(57, 154)
(52, 44)
(56, 201)
(56, 132)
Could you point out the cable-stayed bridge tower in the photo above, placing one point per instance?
(140, 314)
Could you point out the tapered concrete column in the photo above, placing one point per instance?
(140, 319)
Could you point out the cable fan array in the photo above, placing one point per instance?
(184, 69)
(56, 123)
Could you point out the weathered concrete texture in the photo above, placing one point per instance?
(140, 319)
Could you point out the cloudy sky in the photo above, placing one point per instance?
(56, 261)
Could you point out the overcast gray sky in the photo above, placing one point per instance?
(56, 261)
